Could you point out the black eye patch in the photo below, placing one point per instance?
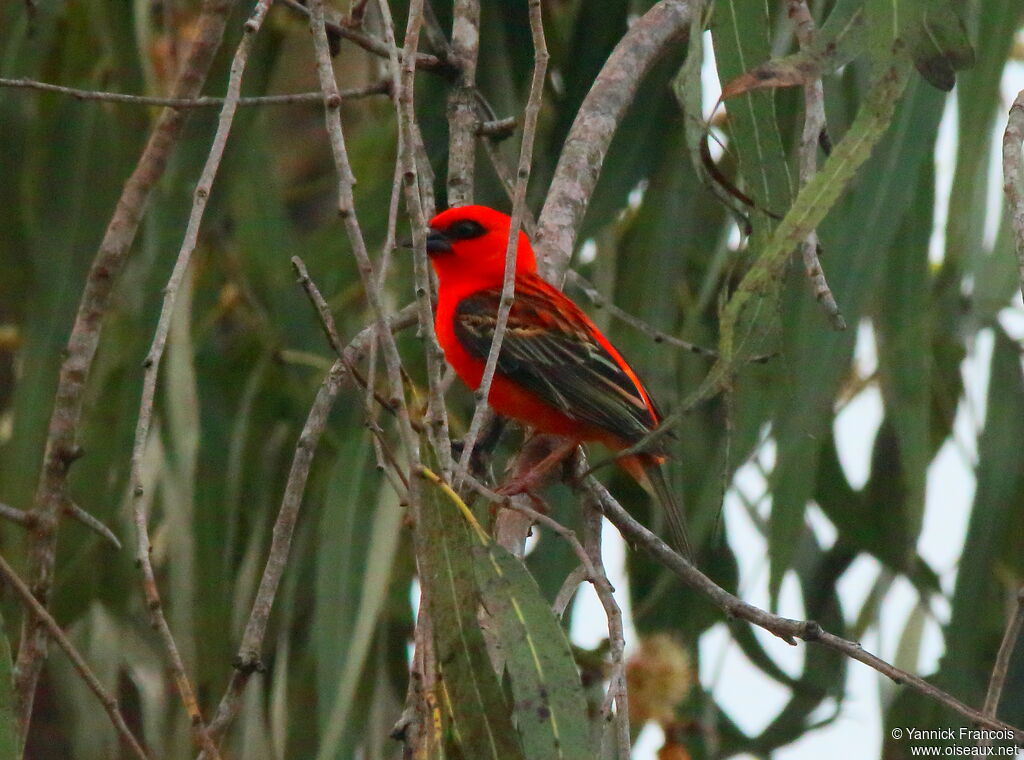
(464, 229)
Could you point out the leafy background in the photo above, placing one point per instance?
(246, 357)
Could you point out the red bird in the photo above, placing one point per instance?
(556, 371)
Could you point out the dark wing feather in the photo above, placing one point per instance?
(554, 354)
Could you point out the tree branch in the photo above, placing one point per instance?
(462, 119)
(424, 61)
(152, 370)
(404, 78)
(61, 442)
(814, 127)
(1002, 665)
(532, 111)
(378, 88)
(594, 296)
(787, 629)
(591, 133)
(346, 209)
(1013, 176)
(617, 689)
(108, 701)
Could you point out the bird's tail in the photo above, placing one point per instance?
(671, 505)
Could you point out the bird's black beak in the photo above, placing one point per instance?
(438, 242)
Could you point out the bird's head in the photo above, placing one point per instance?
(467, 244)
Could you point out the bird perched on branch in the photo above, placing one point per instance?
(556, 371)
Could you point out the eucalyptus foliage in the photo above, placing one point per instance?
(246, 356)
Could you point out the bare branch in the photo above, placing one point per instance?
(568, 590)
(152, 365)
(497, 129)
(1013, 176)
(61, 442)
(373, 45)
(462, 119)
(420, 704)
(27, 519)
(75, 512)
(346, 209)
(378, 88)
(575, 278)
(107, 700)
(617, 690)
(322, 309)
(532, 111)
(595, 124)
(787, 629)
(1002, 665)
(248, 660)
(404, 78)
(814, 127)
(16, 516)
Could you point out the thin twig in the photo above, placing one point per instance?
(787, 629)
(404, 78)
(385, 260)
(421, 699)
(400, 320)
(568, 590)
(424, 61)
(108, 701)
(1013, 176)
(16, 516)
(814, 127)
(594, 126)
(323, 310)
(152, 370)
(75, 512)
(1002, 665)
(497, 129)
(346, 209)
(61, 442)
(617, 690)
(248, 659)
(378, 88)
(532, 111)
(575, 278)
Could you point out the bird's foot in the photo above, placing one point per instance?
(540, 456)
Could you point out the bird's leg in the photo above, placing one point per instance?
(540, 456)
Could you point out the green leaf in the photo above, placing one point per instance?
(903, 333)
(991, 566)
(840, 40)
(978, 105)
(352, 577)
(741, 36)
(550, 710)
(481, 717)
(742, 312)
(937, 39)
(816, 199)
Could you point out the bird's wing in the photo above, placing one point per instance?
(551, 349)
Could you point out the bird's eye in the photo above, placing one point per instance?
(465, 229)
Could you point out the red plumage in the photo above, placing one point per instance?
(556, 371)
